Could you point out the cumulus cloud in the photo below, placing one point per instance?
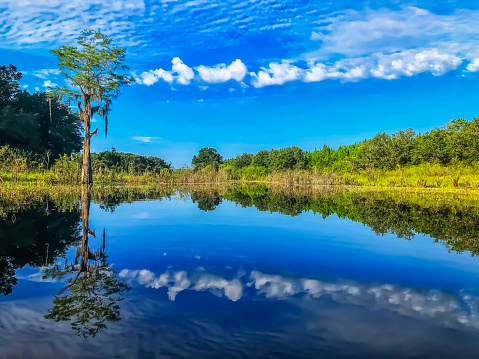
(381, 66)
(180, 73)
(276, 74)
(48, 83)
(183, 74)
(222, 73)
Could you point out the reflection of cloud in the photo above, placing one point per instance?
(37, 277)
(180, 280)
(450, 309)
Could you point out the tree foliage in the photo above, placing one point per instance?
(206, 156)
(35, 122)
(128, 162)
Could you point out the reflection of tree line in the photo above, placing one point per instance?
(451, 221)
(66, 198)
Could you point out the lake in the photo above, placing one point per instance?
(239, 272)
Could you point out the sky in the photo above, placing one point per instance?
(242, 76)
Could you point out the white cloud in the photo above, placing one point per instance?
(184, 74)
(37, 88)
(473, 65)
(48, 83)
(361, 33)
(276, 74)
(222, 73)
(145, 139)
(381, 66)
(45, 73)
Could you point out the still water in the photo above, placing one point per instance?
(240, 273)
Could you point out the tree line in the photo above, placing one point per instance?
(456, 142)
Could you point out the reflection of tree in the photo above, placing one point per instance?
(92, 297)
(35, 236)
(7, 276)
(207, 201)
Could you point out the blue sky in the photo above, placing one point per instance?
(248, 75)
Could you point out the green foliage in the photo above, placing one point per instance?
(8, 84)
(19, 129)
(262, 159)
(59, 130)
(287, 158)
(35, 123)
(240, 161)
(206, 156)
(67, 169)
(387, 151)
(95, 68)
(128, 162)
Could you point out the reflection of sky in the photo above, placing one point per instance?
(240, 281)
(306, 245)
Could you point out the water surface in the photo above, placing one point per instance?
(239, 272)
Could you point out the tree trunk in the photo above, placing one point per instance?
(86, 173)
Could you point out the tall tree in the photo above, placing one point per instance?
(95, 72)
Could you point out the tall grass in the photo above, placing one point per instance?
(18, 167)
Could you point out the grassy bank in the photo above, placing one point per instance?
(420, 176)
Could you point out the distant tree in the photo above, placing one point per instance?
(206, 156)
(8, 83)
(262, 158)
(243, 160)
(464, 139)
(432, 147)
(95, 71)
(402, 146)
(287, 158)
(128, 162)
(375, 152)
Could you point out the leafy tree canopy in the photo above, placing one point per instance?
(206, 156)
